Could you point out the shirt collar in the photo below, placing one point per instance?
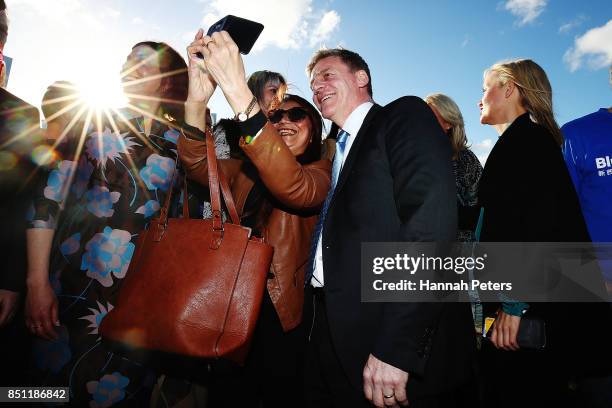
(355, 120)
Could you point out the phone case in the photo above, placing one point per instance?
(244, 32)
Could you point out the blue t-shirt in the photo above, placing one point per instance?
(588, 155)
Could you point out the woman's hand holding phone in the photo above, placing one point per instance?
(224, 63)
(201, 83)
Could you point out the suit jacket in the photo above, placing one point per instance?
(19, 135)
(396, 185)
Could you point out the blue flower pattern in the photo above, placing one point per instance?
(157, 174)
(117, 184)
(107, 145)
(71, 245)
(82, 176)
(109, 390)
(100, 201)
(108, 253)
(52, 355)
(172, 135)
(57, 180)
(150, 208)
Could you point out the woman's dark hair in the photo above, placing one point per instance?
(259, 79)
(175, 79)
(313, 151)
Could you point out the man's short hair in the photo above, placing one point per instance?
(353, 60)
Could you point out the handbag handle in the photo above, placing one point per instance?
(217, 183)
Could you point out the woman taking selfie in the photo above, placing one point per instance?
(278, 192)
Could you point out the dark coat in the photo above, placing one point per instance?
(528, 196)
(19, 135)
(395, 185)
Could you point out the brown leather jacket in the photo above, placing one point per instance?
(299, 187)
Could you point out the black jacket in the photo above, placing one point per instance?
(19, 135)
(396, 185)
(528, 196)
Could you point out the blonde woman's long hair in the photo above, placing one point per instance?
(535, 90)
(448, 109)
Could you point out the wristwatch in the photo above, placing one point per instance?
(243, 116)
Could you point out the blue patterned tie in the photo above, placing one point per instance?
(337, 166)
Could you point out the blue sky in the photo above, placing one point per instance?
(413, 47)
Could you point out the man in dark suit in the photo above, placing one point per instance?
(391, 181)
(19, 134)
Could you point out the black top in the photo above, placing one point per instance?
(528, 196)
(526, 190)
(467, 170)
(19, 136)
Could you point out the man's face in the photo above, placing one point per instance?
(336, 90)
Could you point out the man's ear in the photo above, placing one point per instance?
(362, 78)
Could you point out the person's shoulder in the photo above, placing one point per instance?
(9, 101)
(583, 120)
(408, 102)
(466, 155)
(577, 126)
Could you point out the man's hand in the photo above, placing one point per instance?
(41, 311)
(8, 306)
(383, 384)
(505, 329)
(201, 84)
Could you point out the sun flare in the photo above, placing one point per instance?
(101, 90)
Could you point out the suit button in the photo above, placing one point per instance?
(326, 246)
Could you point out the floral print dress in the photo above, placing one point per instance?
(98, 202)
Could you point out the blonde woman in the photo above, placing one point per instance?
(466, 166)
(528, 196)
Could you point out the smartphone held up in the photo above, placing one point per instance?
(244, 32)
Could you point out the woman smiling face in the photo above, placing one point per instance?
(295, 134)
(142, 74)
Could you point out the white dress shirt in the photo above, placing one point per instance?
(351, 126)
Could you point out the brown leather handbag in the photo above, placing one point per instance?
(194, 286)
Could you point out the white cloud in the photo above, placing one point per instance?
(482, 149)
(465, 42)
(328, 24)
(526, 10)
(111, 12)
(64, 13)
(287, 23)
(593, 47)
(577, 22)
(137, 20)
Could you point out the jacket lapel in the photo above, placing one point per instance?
(350, 160)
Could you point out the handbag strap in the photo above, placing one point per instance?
(217, 183)
(225, 190)
(229, 199)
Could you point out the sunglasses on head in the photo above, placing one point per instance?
(294, 114)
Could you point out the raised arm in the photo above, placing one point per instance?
(295, 185)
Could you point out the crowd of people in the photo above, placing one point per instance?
(403, 172)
